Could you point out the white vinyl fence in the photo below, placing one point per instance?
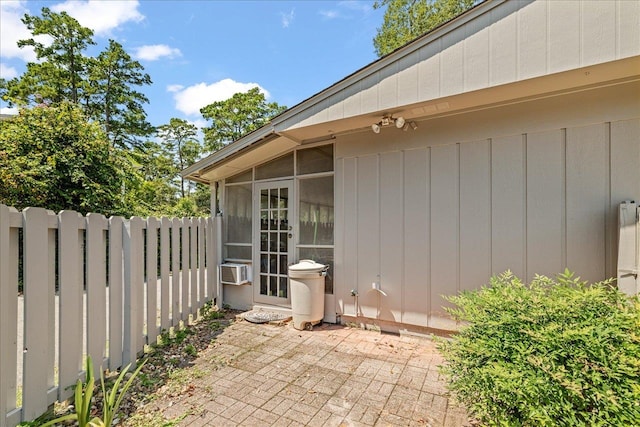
(94, 286)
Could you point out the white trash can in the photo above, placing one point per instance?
(307, 293)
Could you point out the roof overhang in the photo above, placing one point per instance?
(267, 142)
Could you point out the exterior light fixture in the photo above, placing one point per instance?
(414, 126)
(399, 122)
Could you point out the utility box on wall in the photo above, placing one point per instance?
(629, 248)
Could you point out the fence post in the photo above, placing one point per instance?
(133, 286)
(8, 313)
(152, 280)
(116, 279)
(70, 267)
(38, 311)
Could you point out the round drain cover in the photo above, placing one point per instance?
(264, 316)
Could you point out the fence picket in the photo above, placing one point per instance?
(8, 315)
(202, 297)
(71, 280)
(184, 276)
(165, 244)
(37, 306)
(96, 290)
(175, 272)
(116, 279)
(193, 261)
(152, 280)
(133, 283)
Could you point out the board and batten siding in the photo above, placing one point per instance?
(430, 221)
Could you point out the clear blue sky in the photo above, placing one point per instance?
(197, 52)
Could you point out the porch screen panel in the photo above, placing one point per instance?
(316, 223)
(238, 221)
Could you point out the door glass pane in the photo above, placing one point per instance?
(264, 199)
(282, 292)
(263, 284)
(284, 221)
(264, 241)
(283, 264)
(273, 286)
(273, 198)
(273, 242)
(264, 220)
(273, 264)
(284, 237)
(284, 198)
(264, 263)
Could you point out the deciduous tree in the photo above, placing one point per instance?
(237, 116)
(53, 157)
(405, 20)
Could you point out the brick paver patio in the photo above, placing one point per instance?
(259, 375)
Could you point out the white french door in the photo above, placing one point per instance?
(273, 231)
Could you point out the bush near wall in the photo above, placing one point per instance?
(556, 352)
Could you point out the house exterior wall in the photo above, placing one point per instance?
(532, 187)
(500, 43)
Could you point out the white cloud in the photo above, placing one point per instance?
(358, 6)
(174, 88)
(287, 18)
(7, 72)
(329, 14)
(12, 29)
(191, 99)
(101, 16)
(9, 111)
(155, 52)
(346, 10)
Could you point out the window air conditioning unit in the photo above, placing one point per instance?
(235, 274)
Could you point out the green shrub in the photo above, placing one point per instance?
(553, 353)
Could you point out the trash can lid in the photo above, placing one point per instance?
(307, 265)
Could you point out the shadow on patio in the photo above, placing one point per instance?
(334, 375)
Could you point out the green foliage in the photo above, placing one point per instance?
(52, 157)
(103, 86)
(405, 20)
(111, 399)
(179, 138)
(553, 353)
(237, 116)
(60, 74)
(112, 100)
